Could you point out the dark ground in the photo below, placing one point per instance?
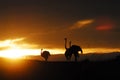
(39, 70)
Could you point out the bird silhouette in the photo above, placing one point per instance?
(45, 54)
(73, 49)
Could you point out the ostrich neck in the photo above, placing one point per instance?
(41, 51)
(65, 43)
(69, 44)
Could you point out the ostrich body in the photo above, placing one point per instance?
(74, 49)
(45, 54)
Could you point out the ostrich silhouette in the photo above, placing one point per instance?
(73, 49)
(45, 54)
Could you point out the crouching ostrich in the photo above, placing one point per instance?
(73, 49)
(45, 54)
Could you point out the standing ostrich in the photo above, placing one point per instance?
(45, 54)
(67, 52)
(74, 49)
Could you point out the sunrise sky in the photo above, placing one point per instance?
(29, 25)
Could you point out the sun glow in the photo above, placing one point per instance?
(100, 50)
(16, 48)
(18, 53)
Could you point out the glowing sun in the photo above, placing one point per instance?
(16, 48)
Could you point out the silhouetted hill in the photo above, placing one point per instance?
(90, 66)
(89, 56)
(59, 70)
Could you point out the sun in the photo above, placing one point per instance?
(19, 49)
(12, 53)
(16, 48)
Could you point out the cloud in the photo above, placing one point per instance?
(81, 23)
(105, 24)
(16, 43)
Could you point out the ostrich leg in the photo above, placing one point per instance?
(75, 59)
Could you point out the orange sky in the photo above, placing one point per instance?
(15, 48)
(35, 24)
